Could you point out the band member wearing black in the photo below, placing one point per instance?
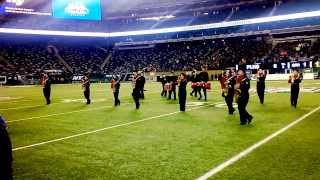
(204, 78)
(295, 81)
(86, 87)
(182, 91)
(173, 81)
(193, 79)
(115, 85)
(5, 152)
(228, 81)
(242, 95)
(261, 85)
(138, 84)
(46, 83)
(243, 65)
(163, 82)
(143, 79)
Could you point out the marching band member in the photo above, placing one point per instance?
(46, 83)
(261, 85)
(194, 87)
(173, 84)
(143, 81)
(138, 84)
(115, 85)
(163, 82)
(182, 81)
(86, 87)
(5, 152)
(295, 80)
(204, 78)
(228, 81)
(242, 95)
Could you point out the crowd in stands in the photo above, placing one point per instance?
(33, 58)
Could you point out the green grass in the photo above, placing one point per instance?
(177, 146)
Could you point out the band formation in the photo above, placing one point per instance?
(234, 86)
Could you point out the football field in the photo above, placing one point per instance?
(71, 140)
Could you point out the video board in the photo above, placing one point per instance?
(77, 9)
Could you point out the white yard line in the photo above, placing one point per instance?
(59, 114)
(103, 129)
(64, 113)
(35, 106)
(3, 102)
(249, 150)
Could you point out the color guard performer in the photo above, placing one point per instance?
(261, 85)
(182, 81)
(295, 80)
(46, 83)
(242, 96)
(228, 81)
(86, 87)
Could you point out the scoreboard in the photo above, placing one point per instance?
(293, 65)
(62, 9)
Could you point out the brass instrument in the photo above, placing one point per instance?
(237, 90)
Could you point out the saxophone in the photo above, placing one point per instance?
(237, 90)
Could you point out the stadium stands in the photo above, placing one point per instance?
(32, 58)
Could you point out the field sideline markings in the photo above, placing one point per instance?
(62, 102)
(104, 129)
(250, 149)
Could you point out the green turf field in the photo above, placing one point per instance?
(71, 140)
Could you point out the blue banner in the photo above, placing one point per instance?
(77, 9)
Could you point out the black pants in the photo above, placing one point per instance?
(5, 155)
(242, 105)
(86, 94)
(116, 98)
(294, 96)
(136, 96)
(194, 91)
(173, 91)
(142, 93)
(164, 92)
(47, 93)
(204, 93)
(182, 100)
(260, 92)
(229, 101)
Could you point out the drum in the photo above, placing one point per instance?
(193, 85)
(207, 85)
(200, 84)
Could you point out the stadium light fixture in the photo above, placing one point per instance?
(55, 33)
(166, 30)
(219, 25)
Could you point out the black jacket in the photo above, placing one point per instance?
(204, 76)
(5, 155)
